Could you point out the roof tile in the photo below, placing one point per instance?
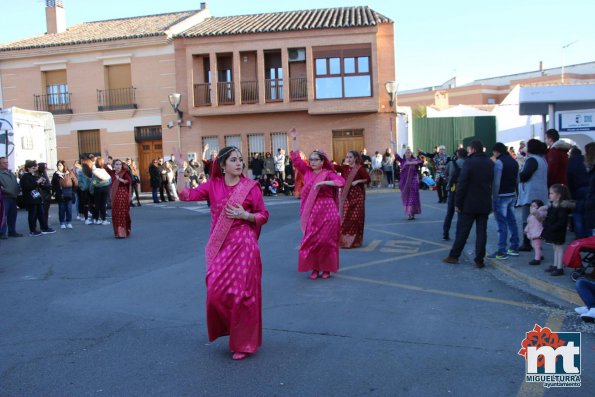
(342, 17)
(93, 32)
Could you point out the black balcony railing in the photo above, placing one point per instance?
(274, 90)
(116, 99)
(225, 93)
(249, 91)
(54, 103)
(298, 89)
(202, 94)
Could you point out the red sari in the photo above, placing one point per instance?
(121, 193)
(319, 249)
(234, 268)
(352, 205)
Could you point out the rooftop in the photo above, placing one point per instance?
(326, 18)
(101, 31)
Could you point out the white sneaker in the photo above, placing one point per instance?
(97, 222)
(581, 310)
(62, 226)
(88, 221)
(79, 218)
(69, 226)
(105, 223)
(589, 316)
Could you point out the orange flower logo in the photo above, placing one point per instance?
(539, 337)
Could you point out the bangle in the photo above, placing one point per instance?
(246, 215)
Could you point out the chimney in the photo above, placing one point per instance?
(541, 66)
(203, 6)
(55, 16)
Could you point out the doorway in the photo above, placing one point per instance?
(147, 151)
(346, 140)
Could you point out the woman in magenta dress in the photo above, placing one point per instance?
(409, 183)
(319, 211)
(121, 194)
(234, 299)
(352, 202)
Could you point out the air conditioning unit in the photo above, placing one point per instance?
(296, 54)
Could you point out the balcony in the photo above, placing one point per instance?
(274, 90)
(225, 93)
(202, 94)
(116, 99)
(298, 89)
(249, 91)
(54, 103)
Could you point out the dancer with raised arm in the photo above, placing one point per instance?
(352, 202)
(234, 268)
(319, 211)
(409, 183)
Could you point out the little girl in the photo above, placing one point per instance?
(534, 228)
(556, 222)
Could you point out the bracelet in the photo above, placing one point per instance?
(246, 215)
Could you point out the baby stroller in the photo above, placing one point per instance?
(580, 255)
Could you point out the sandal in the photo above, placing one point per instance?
(239, 356)
(313, 275)
(326, 275)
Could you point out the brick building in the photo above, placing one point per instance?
(107, 82)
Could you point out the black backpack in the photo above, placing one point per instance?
(455, 177)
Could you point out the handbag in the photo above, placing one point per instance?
(67, 192)
(35, 194)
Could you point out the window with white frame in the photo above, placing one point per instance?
(213, 142)
(234, 140)
(256, 144)
(278, 140)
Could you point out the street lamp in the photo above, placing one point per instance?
(174, 101)
(391, 88)
(564, 47)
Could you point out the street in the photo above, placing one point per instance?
(86, 314)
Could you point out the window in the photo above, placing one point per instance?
(89, 143)
(256, 144)
(56, 88)
(279, 140)
(233, 140)
(343, 73)
(213, 142)
(147, 133)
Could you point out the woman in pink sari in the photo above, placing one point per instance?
(409, 183)
(319, 211)
(352, 202)
(234, 299)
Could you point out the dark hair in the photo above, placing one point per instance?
(461, 153)
(500, 148)
(477, 145)
(224, 155)
(553, 134)
(63, 164)
(590, 155)
(356, 155)
(538, 202)
(41, 168)
(562, 190)
(30, 164)
(575, 151)
(535, 146)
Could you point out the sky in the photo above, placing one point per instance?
(435, 40)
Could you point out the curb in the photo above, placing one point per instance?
(561, 293)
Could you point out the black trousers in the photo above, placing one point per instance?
(464, 224)
(441, 189)
(35, 213)
(165, 186)
(450, 212)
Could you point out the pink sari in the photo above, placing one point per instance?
(353, 208)
(234, 268)
(319, 249)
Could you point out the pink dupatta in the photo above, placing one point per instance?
(311, 199)
(346, 188)
(223, 225)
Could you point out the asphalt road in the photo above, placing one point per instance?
(86, 314)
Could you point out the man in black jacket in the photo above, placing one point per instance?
(473, 202)
(155, 179)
